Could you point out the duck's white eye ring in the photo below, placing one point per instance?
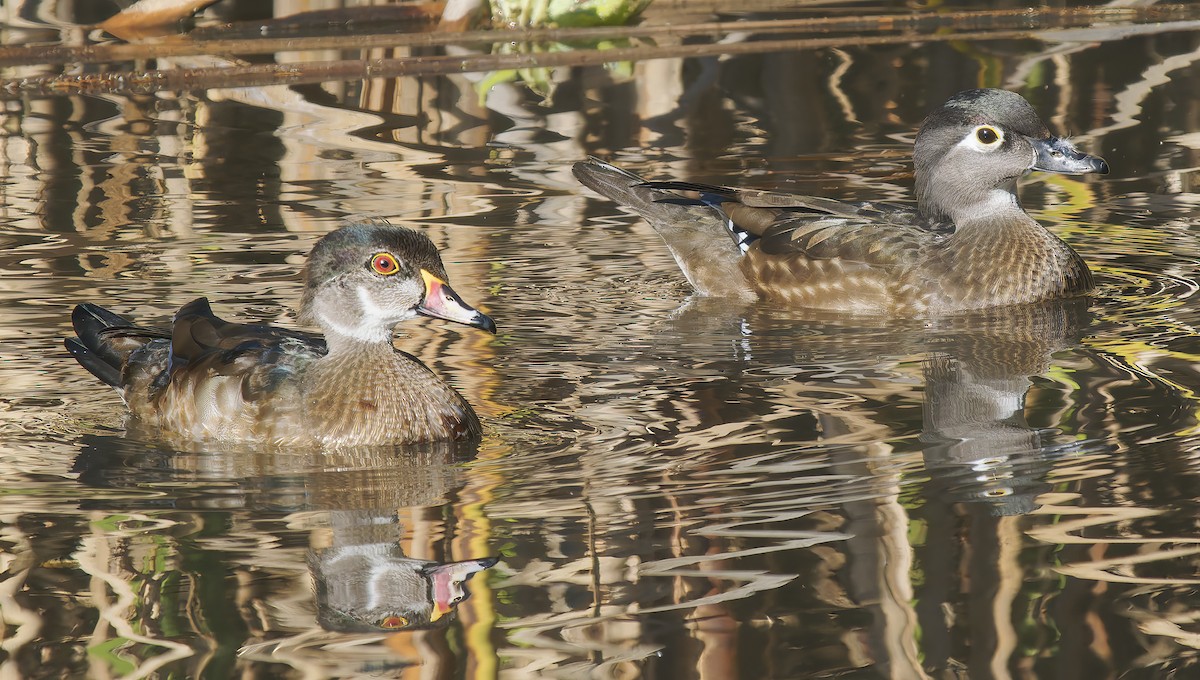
(988, 135)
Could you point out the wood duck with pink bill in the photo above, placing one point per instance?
(206, 379)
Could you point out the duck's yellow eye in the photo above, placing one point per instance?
(393, 622)
(987, 135)
(384, 263)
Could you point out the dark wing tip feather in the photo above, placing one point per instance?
(605, 179)
(88, 313)
(105, 341)
(594, 167)
(97, 366)
(93, 349)
(674, 185)
(91, 320)
(197, 307)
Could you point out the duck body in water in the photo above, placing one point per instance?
(967, 244)
(207, 379)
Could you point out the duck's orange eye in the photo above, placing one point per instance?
(393, 622)
(385, 263)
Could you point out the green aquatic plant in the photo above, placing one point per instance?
(565, 13)
(543, 80)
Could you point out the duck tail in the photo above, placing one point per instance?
(105, 341)
(616, 184)
(716, 199)
(695, 234)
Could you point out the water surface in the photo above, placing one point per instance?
(674, 487)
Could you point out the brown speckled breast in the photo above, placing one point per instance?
(394, 400)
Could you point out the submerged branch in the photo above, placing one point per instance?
(927, 23)
(252, 75)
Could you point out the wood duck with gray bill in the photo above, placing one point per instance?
(966, 245)
(207, 379)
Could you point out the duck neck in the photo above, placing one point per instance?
(952, 199)
(342, 346)
(350, 318)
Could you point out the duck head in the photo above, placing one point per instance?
(363, 279)
(970, 153)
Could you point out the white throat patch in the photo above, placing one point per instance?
(998, 200)
(366, 332)
(374, 323)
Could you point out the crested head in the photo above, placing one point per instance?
(363, 279)
(971, 151)
(343, 250)
(987, 106)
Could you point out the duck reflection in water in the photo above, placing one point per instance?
(364, 582)
(978, 369)
(343, 524)
(978, 444)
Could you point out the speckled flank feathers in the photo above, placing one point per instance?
(210, 380)
(967, 244)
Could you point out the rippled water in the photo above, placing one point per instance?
(674, 487)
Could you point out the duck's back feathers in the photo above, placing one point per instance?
(197, 334)
(258, 356)
(794, 224)
(203, 378)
